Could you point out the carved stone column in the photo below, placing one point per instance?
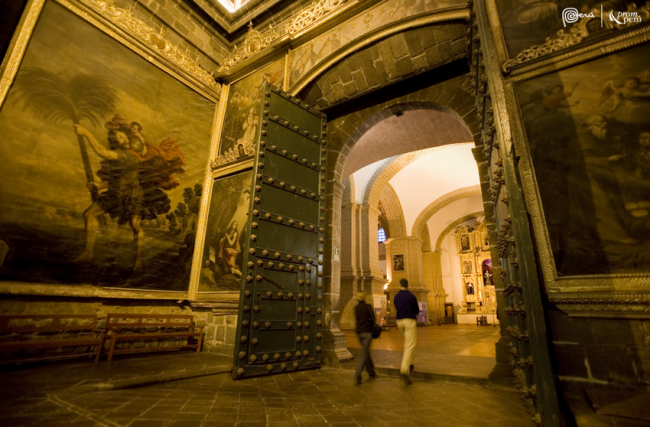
(334, 346)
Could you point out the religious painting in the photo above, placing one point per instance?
(225, 237)
(242, 120)
(398, 263)
(528, 23)
(588, 128)
(103, 162)
(308, 55)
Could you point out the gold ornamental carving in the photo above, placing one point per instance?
(242, 149)
(577, 34)
(313, 13)
(137, 28)
(254, 43)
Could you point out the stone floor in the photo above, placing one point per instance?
(456, 350)
(195, 389)
(74, 395)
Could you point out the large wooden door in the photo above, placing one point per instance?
(280, 316)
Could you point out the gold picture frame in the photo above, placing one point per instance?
(124, 32)
(229, 170)
(616, 295)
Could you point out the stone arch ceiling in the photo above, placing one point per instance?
(414, 130)
(438, 222)
(451, 96)
(453, 225)
(393, 208)
(441, 202)
(423, 176)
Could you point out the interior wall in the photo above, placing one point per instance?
(454, 271)
(219, 327)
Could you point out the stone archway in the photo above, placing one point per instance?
(421, 221)
(393, 210)
(452, 100)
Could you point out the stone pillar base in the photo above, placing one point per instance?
(335, 349)
(502, 372)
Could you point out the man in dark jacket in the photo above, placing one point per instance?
(365, 320)
(408, 309)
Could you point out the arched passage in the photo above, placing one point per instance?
(448, 103)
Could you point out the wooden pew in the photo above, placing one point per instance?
(122, 326)
(28, 332)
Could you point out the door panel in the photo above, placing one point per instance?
(280, 321)
(291, 141)
(289, 173)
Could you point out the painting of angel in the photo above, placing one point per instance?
(589, 146)
(242, 120)
(98, 186)
(628, 100)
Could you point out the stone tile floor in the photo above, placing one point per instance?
(190, 389)
(459, 350)
(325, 397)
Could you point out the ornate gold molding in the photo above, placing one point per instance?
(137, 28)
(242, 149)
(576, 35)
(254, 43)
(313, 13)
(87, 290)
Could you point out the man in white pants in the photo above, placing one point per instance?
(408, 309)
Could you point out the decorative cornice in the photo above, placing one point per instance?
(313, 13)
(625, 305)
(576, 35)
(137, 28)
(254, 43)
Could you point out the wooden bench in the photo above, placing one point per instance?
(122, 327)
(25, 335)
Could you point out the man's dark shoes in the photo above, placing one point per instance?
(406, 379)
(373, 376)
(357, 381)
(411, 368)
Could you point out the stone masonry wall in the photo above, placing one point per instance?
(388, 61)
(219, 331)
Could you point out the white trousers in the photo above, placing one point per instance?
(408, 328)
